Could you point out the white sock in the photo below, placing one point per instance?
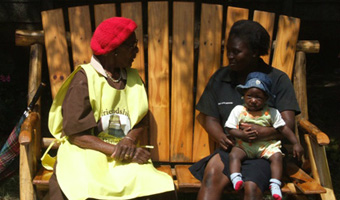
(275, 188)
(236, 179)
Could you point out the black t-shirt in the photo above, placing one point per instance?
(220, 95)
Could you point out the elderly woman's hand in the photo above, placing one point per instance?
(125, 149)
(141, 156)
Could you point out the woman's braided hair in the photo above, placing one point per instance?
(253, 33)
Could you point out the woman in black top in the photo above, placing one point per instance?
(247, 41)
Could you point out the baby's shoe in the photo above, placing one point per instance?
(275, 188)
(236, 179)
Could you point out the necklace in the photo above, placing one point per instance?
(114, 80)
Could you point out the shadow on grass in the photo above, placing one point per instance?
(9, 189)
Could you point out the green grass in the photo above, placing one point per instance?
(9, 189)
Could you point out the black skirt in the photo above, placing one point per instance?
(255, 170)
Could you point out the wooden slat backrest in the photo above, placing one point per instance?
(286, 39)
(104, 11)
(266, 19)
(56, 48)
(81, 33)
(234, 14)
(134, 11)
(182, 82)
(158, 79)
(208, 62)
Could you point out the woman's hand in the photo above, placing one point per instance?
(141, 156)
(226, 142)
(214, 128)
(124, 150)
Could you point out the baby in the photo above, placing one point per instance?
(255, 110)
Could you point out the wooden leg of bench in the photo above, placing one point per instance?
(25, 174)
(320, 169)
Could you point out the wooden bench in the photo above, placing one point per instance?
(176, 58)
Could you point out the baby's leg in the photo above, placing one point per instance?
(235, 157)
(276, 165)
(276, 170)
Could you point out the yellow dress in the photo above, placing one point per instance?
(85, 173)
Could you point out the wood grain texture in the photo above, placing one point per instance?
(28, 37)
(27, 128)
(208, 62)
(320, 168)
(303, 181)
(234, 14)
(26, 173)
(27, 161)
(43, 177)
(158, 79)
(267, 20)
(81, 33)
(286, 39)
(56, 48)
(185, 179)
(34, 80)
(104, 11)
(165, 168)
(134, 11)
(315, 133)
(300, 83)
(182, 82)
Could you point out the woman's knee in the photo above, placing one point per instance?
(213, 174)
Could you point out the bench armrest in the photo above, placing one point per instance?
(27, 128)
(320, 137)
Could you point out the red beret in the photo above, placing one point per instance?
(110, 34)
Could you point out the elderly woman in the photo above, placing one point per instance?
(247, 41)
(97, 116)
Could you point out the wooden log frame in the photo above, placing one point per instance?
(182, 140)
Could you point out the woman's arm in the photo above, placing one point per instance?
(124, 150)
(86, 141)
(245, 135)
(270, 133)
(215, 130)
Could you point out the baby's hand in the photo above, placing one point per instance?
(297, 151)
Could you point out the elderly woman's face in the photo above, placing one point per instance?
(239, 54)
(126, 52)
